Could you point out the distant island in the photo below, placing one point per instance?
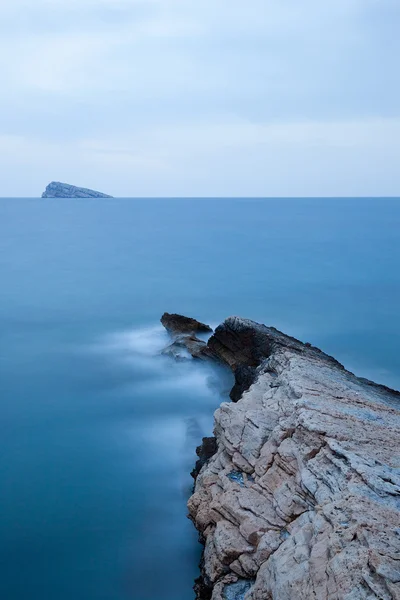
(55, 189)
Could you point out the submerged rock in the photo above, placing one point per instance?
(186, 346)
(301, 499)
(177, 351)
(55, 189)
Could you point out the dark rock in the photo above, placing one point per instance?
(244, 345)
(195, 346)
(241, 342)
(244, 378)
(207, 449)
(185, 342)
(202, 589)
(178, 324)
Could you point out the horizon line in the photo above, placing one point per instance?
(313, 197)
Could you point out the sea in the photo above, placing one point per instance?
(98, 429)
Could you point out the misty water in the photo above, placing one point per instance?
(98, 430)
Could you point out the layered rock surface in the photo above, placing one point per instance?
(55, 189)
(301, 499)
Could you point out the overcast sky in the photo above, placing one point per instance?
(201, 98)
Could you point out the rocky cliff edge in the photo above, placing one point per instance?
(301, 499)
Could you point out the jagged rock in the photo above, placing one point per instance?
(301, 500)
(205, 451)
(185, 344)
(244, 377)
(243, 345)
(178, 324)
(196, 347)
(241, 342)
(55, 189)
(202, 590)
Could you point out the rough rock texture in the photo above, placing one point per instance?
(55, 189)
(178, 324)
(301, 500)
(239, 342)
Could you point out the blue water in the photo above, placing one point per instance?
(98, 431)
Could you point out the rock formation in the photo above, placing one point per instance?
(178, 324)
(55, 189)
(300, 498)
(184, 341)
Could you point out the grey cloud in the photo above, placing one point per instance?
(116, 71)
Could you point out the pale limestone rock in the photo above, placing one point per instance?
(302, 499)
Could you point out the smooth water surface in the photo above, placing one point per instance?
(98, 430)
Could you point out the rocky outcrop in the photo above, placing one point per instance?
(301, 499)
(184, 343)
(55, 189)
(178, 324)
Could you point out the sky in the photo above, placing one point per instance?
(206, 98)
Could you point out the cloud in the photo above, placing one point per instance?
(233, 158)
(152, 85)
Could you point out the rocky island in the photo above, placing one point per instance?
(55, 189)
(298, 495)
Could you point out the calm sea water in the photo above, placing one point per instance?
(97, 430)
